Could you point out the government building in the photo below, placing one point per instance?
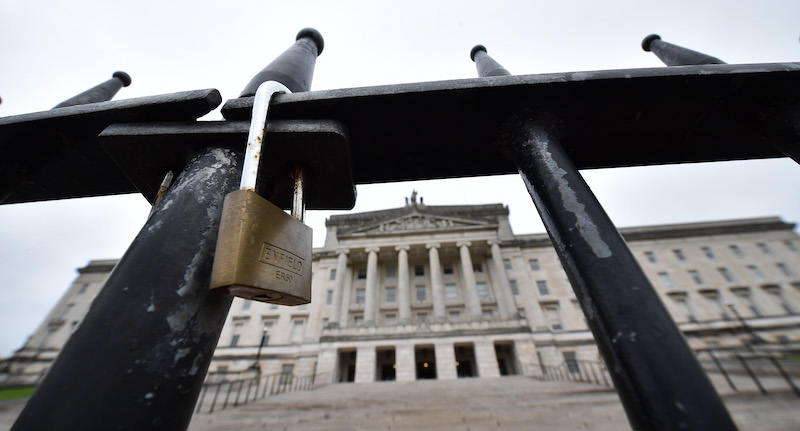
(442, 292)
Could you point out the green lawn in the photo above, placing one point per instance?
(13, 393)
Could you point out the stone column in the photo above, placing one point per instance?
(503, 290)
(338, 289)
(437, 286)
(344, 311)
(487, 359)
(365, 364)
(404, 358)
(372, 286)
(403, 288)
(445, 361)
(473, 302)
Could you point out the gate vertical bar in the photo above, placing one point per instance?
(148, 338)
(658, 379)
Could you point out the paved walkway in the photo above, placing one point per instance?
(509, 403)
(514, 403)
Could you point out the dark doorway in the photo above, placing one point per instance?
(465, 360)
(385, 366)
(425, 358)
(506, 358)
(347, 366)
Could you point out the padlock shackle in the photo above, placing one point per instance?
(258, 126)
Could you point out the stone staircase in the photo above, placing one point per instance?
(507, 403)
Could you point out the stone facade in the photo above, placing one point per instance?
(450, 291)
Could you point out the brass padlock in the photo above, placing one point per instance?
(263, 253)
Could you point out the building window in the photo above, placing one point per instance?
(542, 286)
(679, 254)
(714, 298)
(553, 317)
(333, 274)
(744, 294)
(651, 257)
(776, 293)
(419, 270)
(483, 292)
(390, 319)
(727, 275)
(297, 331)
(448, 268)
(507, 264)
(708, 252)
(421, 294)
(756, 273)
(737, 251)
(486, 313)
(785, 270)
(422, 317)
(454, 315)
(666, 281)
(246, 304)
(391, 294)
(329, 297)
(514, 288)
(237, 330)
(534, 263)
(696, 277)
(362, 273)
(391, 271)
(266, 326)
(273, 306)
(82, 289)
(688, 310)
(764, 248)
(451, 291)
(67, 310)
(360, 296)
(790, 245)
(477, 267)
(572, 362)
(358, 320)
(287, 372)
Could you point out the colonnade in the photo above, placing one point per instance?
(506, 306)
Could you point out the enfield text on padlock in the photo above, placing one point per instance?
(262, 253)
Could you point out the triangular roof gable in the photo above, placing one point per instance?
(419, 222)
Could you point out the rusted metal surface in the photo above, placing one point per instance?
(255, 137)
(298, 192)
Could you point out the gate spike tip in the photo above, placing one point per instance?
(648, 40)
(314, 35)
(475, 50)
(122, 76)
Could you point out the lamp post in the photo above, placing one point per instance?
(755, 338)
(264, 335)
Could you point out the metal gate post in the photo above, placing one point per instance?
(659, 381)
(140, 356)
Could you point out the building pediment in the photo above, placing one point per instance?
(419, 222)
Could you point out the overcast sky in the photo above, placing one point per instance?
(52, 50)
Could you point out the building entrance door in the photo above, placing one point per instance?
(425, 358)
(465, 360)
(385, 364)
(347, 365)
